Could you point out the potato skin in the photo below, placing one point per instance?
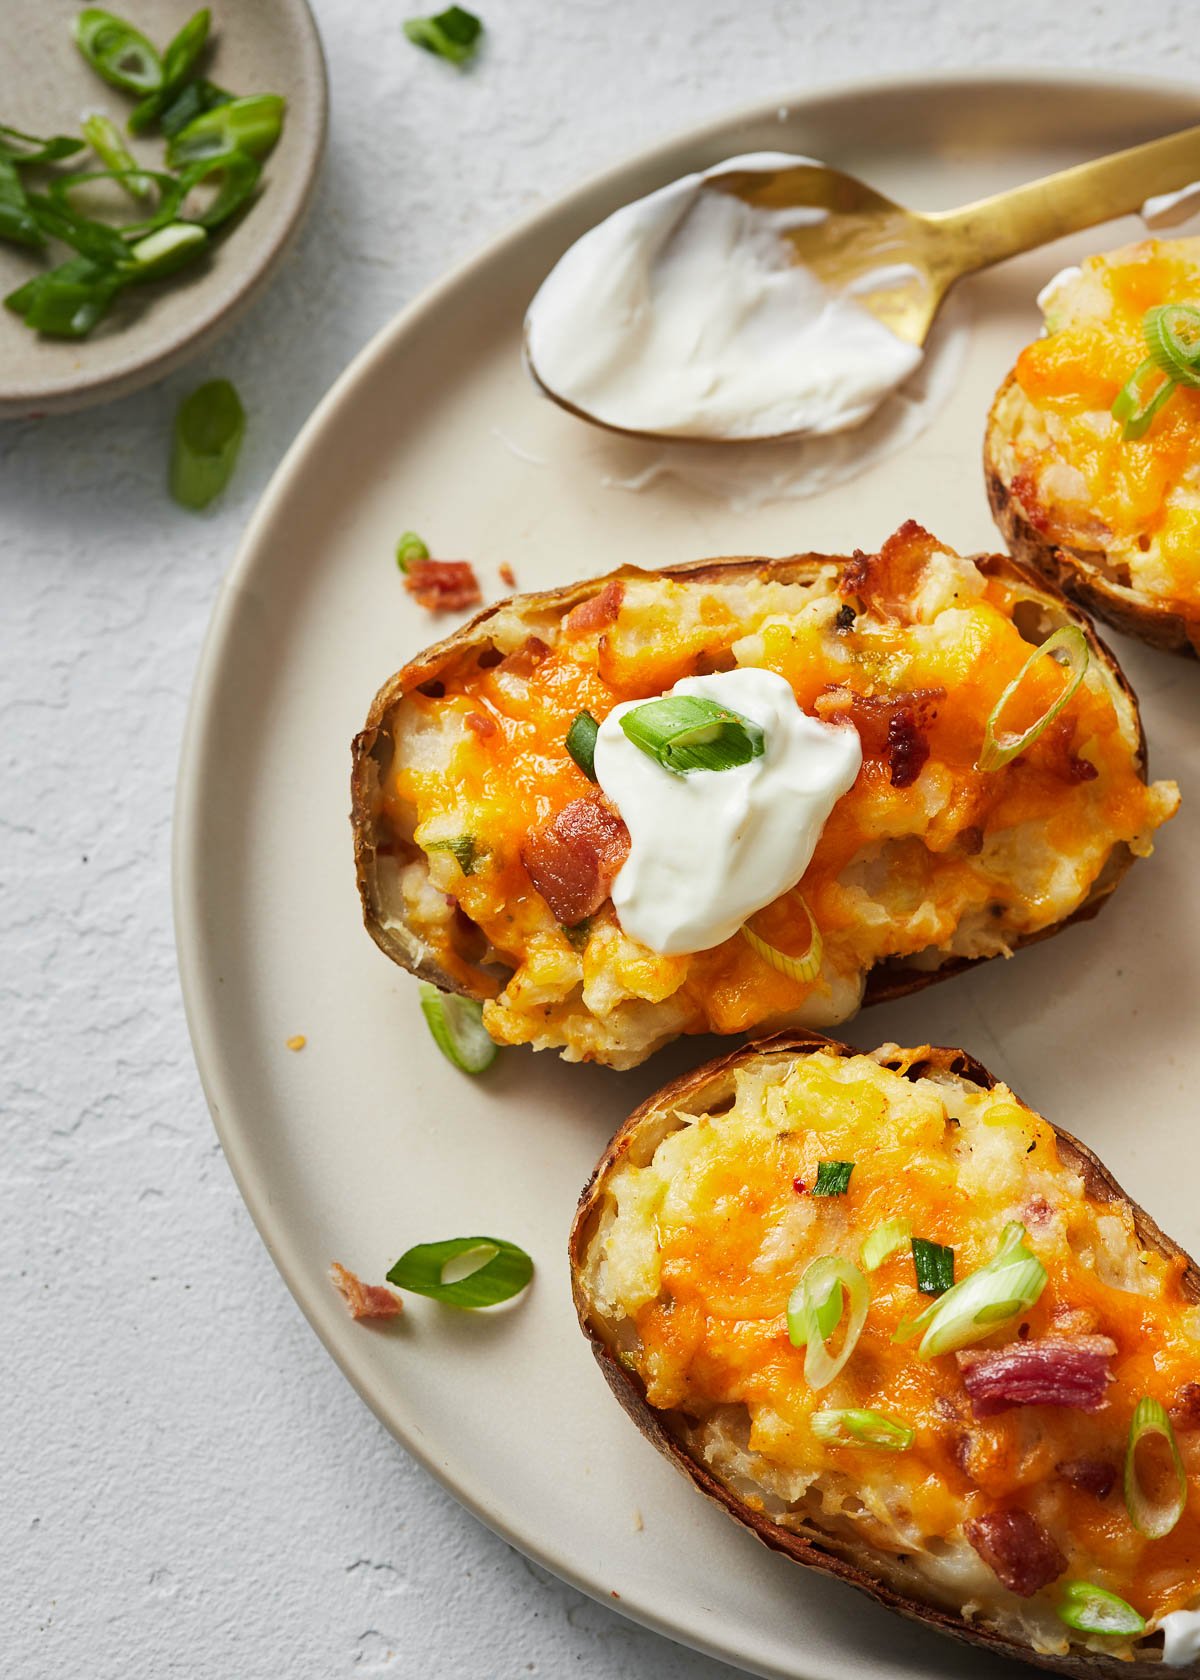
(707, 1086)
(1078, 572)
(372, 751)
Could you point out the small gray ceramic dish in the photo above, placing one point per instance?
(269, 46)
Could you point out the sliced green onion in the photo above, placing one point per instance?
(170, 195)
(92, 239)
(458, 1030)
(410, 548)
(104, 137)
(166, 249)
(807, 1312)
(1172, 335)
(239, 175)
(1150, 1518)
(1001, 746)
(1096, 1610)
(869, 1429)
(1009, 1284)
(1135, 411)
(67, 301)
(209, 427)
(684, 733)
(242, 125)
(118, 52)
(20, 147)
(803, 968)
(462, 849)
(452, 34)
(827, 1311)
(883, 1242)
(464, 1271)
(18, 224)
(178, 62)
(192, 100)
(934, 1266)
(581, 743)
(833, 1178)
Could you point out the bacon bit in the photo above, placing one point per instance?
(573, 858)
(597, 612)
(799, 1186)
(887, 581)
(482, 725)
(1052, 1371)
(297, 1042)
(443, 585)
(891, 727)
(1090, 1475)
(1058, 747)
(1037, 1211)
(365, 1300)
(907, 748)
(1073, 1321)
(1185, 1410)
(507, 575)
(971, 840)
(526, 658)
(1017, 1549)
(1024, 491)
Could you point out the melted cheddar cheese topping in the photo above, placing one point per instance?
(698, 1249)
(935, 857)
(1064, 458)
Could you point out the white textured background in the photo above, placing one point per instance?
(188, 1488)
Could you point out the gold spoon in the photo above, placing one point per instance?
(865, 235)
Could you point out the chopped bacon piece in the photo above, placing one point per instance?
(887, 581)
(892, 727)
(482, 724)
(907, 748)
(573, 858)
(598, 611)
(1052, 1371)
(507, 575)
(1089, 1475)
(1024, 491)
(1017, 1549)
(365, 1300)
(443, 585)
(1185, 1410)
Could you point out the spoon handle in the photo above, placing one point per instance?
(991, 229)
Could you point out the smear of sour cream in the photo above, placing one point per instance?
(709, 848)
(685, 313)
(1181, 1644)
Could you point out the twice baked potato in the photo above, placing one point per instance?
(748, 1262)
(486, 857)
(1113, 519)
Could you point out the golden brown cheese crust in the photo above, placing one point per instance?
(709, 1089)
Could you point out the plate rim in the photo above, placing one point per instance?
(186, 865)
(68, 395)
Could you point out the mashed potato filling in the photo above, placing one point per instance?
(1078, 480)
(699, 1246)
(924, 860)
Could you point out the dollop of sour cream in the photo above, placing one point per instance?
(1181, 1642)
(709, 848)
(686, 313)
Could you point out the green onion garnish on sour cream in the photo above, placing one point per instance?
(684, 732)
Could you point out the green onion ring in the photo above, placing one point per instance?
(809, 1309)
(118, 52)
(867, 1428)
(1163, 330)
(1001, 747)
(1154, 1521)
(456, 1024)
(883, 1242)
(1093, 1609)
(803, 969)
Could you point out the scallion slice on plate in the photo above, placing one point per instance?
(249, 125)
(1001, 746)
(809, 1310)
(464, 1271)
(458, 1030)
(165, 250)
(18, 224)
(104, 137)
(685, 733)
(1009, 1284)
(581, 743)
(20, 147)
(410, 548)
(118, 52)
(804, 968)
(1093, 1609)
(1153, 1517)
(209, 427)
(867, 1428)
(178, 62)
(452, 34)
(881, 1243)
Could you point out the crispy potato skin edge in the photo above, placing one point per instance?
(708, 1084)
(1079, 572)
(371, 751)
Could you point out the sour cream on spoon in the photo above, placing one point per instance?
(687, 314)
(710, 847)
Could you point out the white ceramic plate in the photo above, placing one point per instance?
(367, 1141)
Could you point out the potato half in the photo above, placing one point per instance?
(926, 866)
(994, 1480)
